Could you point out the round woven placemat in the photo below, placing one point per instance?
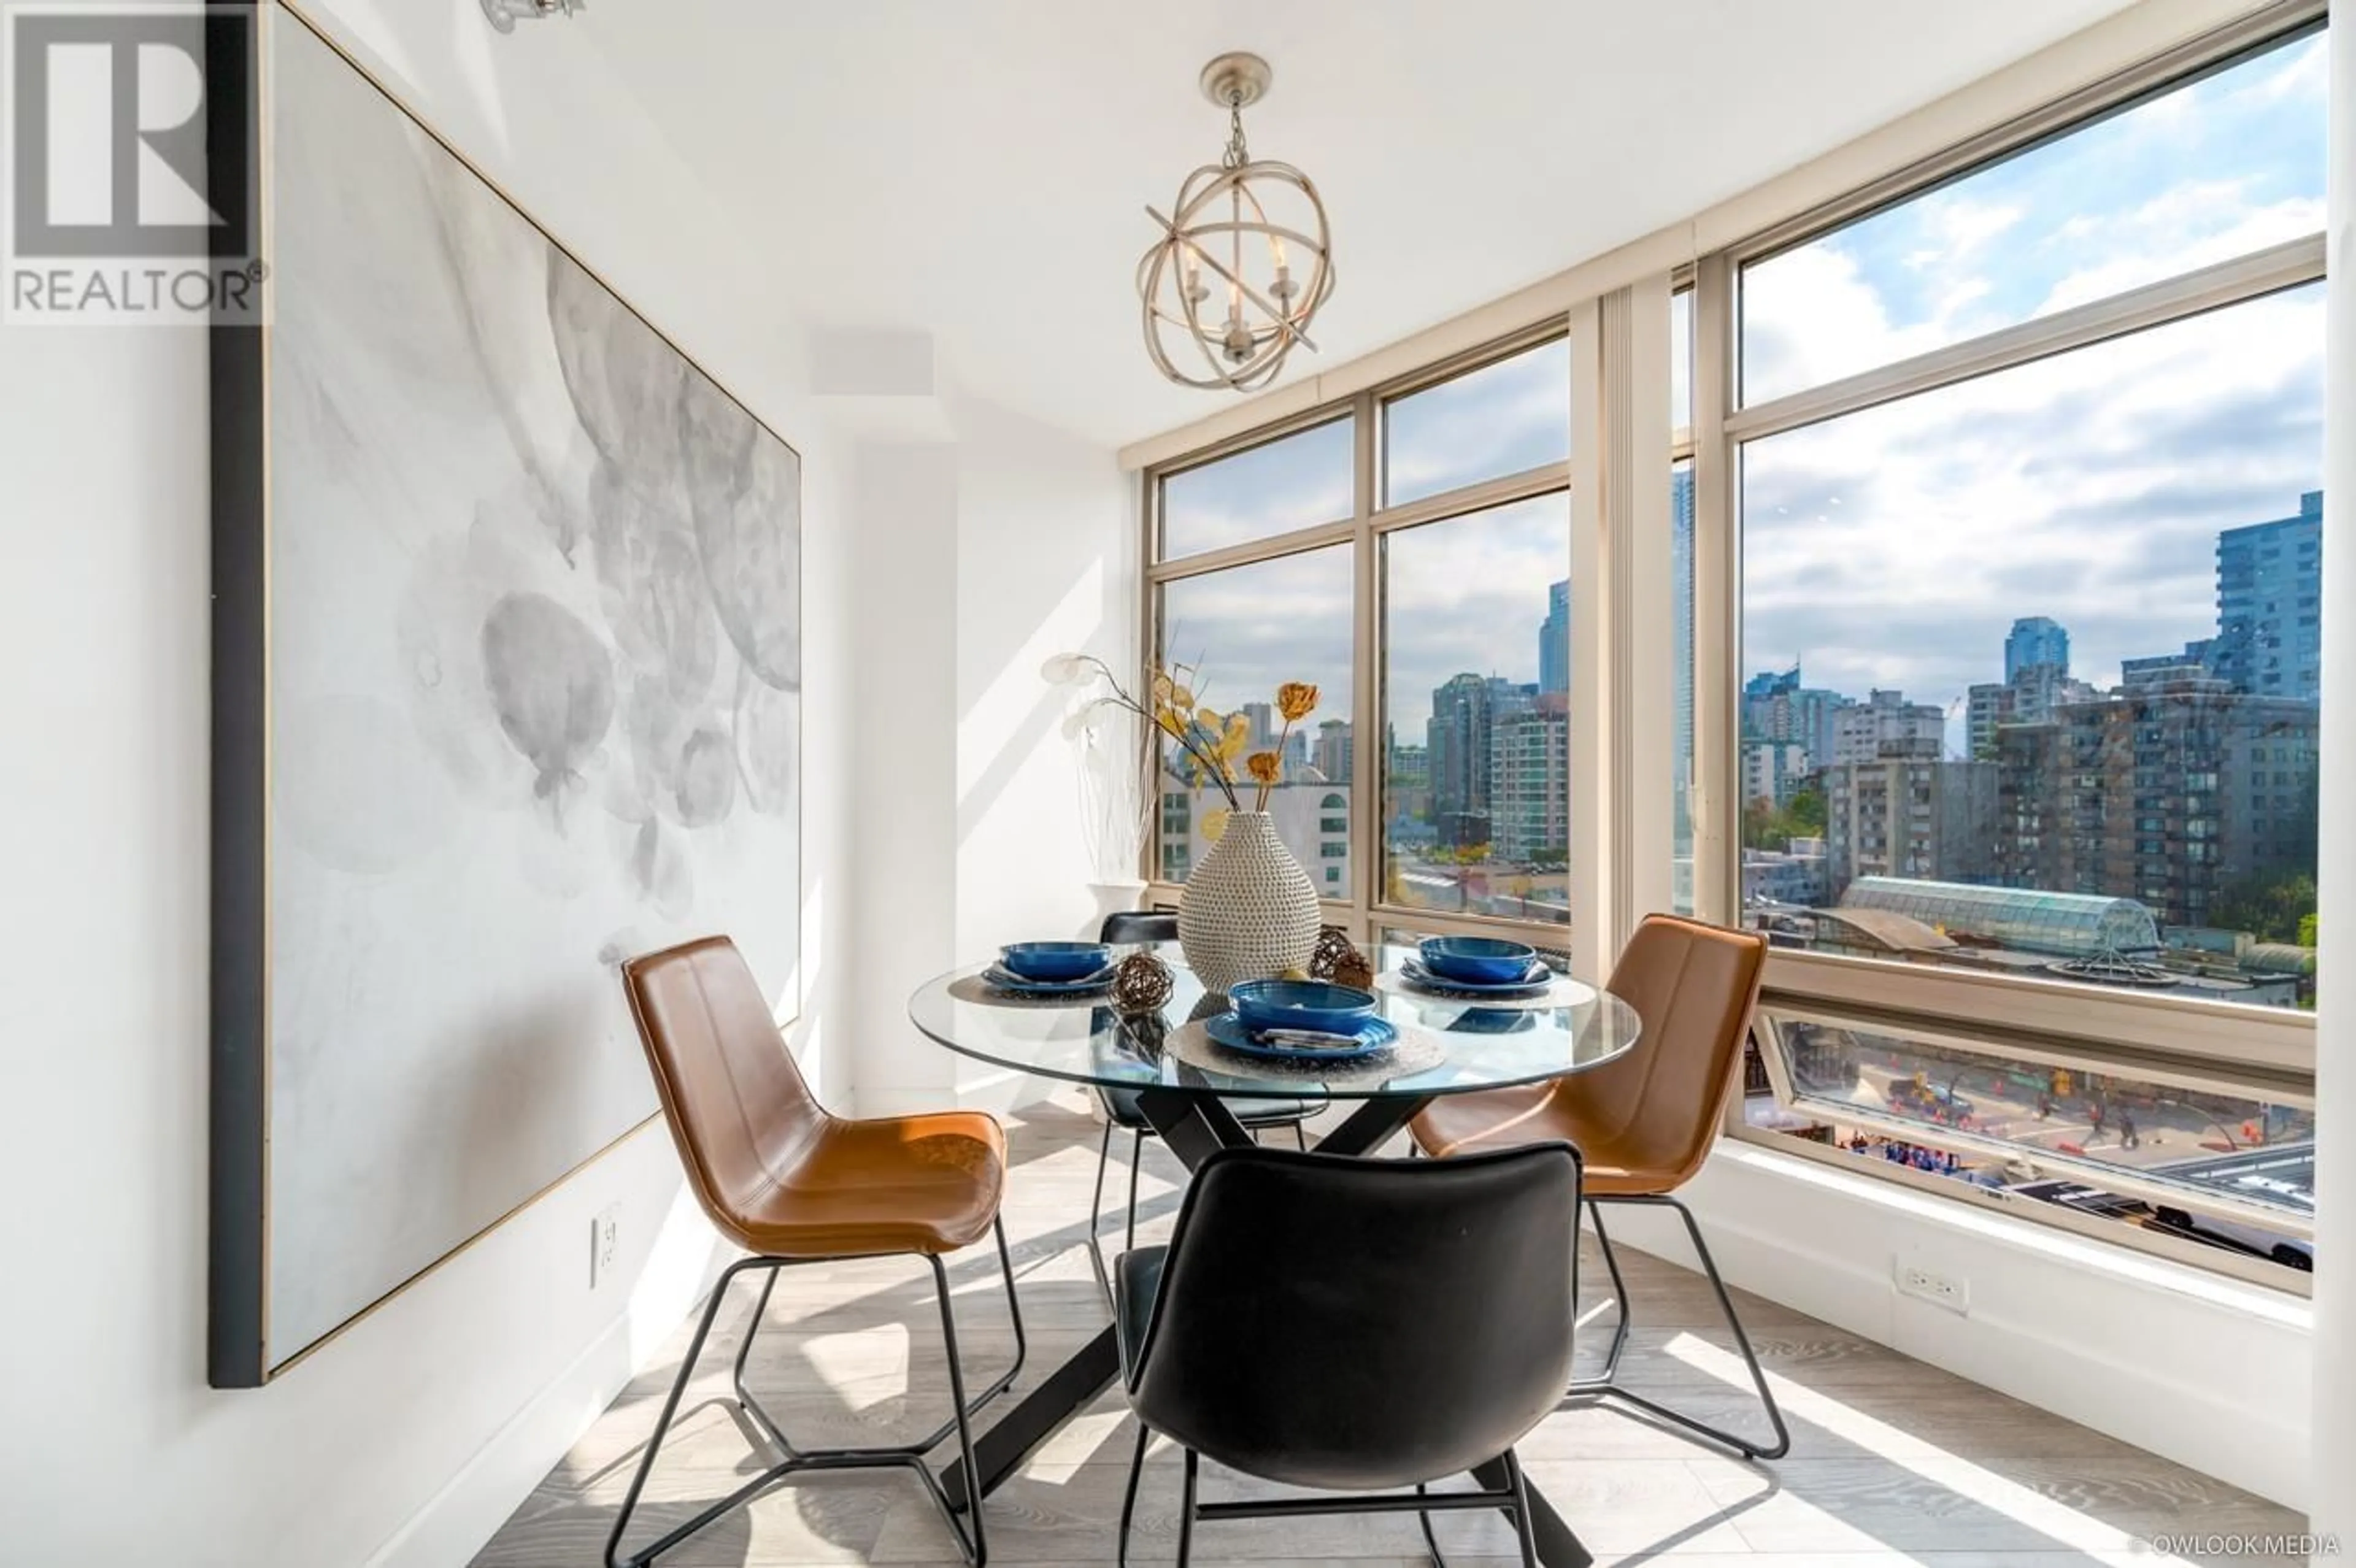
(1562, 992)
(974, 988)
(1415, 1051)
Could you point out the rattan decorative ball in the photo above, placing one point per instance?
(1142, 984)
(1338, 959)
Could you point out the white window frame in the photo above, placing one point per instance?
(2267, 1052)
(1623, 453)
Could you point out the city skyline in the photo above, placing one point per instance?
(2001, 658)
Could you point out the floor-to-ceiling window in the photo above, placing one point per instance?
(2027, 471)
(1992, 563)
(1409, 554)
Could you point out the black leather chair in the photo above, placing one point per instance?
(1354, 1325)
(1152, 928)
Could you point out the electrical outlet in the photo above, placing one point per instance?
(1938, 1289)
(605, 1243)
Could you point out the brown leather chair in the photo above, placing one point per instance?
(1645, 1123)
(789, 1183)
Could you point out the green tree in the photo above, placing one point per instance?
(1807, 813)
(1766, 826)
(2273, 907)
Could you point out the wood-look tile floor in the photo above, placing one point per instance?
(1892, 1462)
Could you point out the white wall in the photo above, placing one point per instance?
(903, 823)
(2333, 1502)
(409, 1438)
(1048, 563)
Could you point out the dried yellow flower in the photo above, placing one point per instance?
(1265, 766)
(1296, 700)
(1215, 823)
(1180, 696)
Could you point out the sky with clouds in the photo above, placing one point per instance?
(1892, 547)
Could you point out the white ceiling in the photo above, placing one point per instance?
(979, 170)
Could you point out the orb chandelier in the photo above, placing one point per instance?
(1249, 235)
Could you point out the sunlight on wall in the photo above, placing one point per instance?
(1009, 705)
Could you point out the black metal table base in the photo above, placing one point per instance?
(1193, 1126)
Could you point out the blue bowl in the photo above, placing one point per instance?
(1054, 960)
(1484, 960)
(1302, 1004)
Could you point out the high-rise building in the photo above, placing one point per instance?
(1409, 787)
(1776, 707)
(1334, 753)
(1554, 640)
(2270, 606)
(1294, 754)
(1529, 783)
(2035, 640)
(1457, 745)
(1909, 813)
(2035, 680)
(2168, 791)
(1863, 730)
(1773, 770)
(1261, 715)
(1462, 712)
(1986, 706)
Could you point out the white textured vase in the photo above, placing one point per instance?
(1250, 911)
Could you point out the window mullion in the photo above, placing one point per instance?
(1635, 364)
(1595, 939)
(1369, 766)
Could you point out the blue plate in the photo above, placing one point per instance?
(1417, 975)
(1000, 978)
(1484, 960)
(1229, 1031)
(1301, 1004)
(1053, 963)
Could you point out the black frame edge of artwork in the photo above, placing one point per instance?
(236, 1356)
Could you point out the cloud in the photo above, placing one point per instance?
(1296, 483)
(2223, 167)
(1894, 546)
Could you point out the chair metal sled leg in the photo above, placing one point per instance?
(1512, 1497)
(768, 1424)
(1606, 1384)
(1096, 1197)
(907, 1456)
(1603, 1380)
(1136, 1159)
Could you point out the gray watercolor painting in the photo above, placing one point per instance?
(535, 663)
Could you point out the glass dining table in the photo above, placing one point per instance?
(1447, 1045)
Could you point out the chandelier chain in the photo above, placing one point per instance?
(1238, 155)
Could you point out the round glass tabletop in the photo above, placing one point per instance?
(1445, 1045)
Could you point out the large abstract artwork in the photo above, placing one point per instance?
(509, 681)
